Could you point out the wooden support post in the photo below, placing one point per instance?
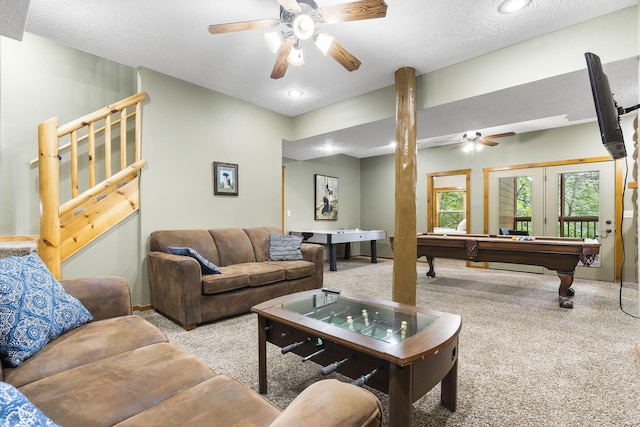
(49, 179)
(405, 240)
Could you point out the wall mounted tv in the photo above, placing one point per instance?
(607, 109)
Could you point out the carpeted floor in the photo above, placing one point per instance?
(523, 361)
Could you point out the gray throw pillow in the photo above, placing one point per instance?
(207, 266)
(284, 247)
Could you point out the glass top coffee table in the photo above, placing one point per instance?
(399, 349)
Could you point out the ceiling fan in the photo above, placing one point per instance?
(473, 141)
(300, 20)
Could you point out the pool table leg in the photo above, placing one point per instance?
(566, 279)
(432, 271)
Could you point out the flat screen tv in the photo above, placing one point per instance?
(607, 110)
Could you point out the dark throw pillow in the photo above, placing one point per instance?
(207, 266)
(283, 247)
(34, 308)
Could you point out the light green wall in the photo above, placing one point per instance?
(185, 129)
(300, 190)
(40, 79)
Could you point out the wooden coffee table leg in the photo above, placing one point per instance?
(262, 355)
(400, 399)
(449, 388)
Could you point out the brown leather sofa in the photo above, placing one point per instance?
(120, 370)
(182, 292)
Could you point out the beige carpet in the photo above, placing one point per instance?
(523, 361)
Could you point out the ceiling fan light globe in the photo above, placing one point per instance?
(324, 42)
(274, 40)
(296, 57)
(512, 6)
(303, 26)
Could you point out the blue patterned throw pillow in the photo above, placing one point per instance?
(207, 266)
(34, 308)
(16, 410)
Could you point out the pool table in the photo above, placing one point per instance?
(554, 253)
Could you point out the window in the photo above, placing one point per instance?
(450, 208)
(579, 204)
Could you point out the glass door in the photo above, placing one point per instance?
(581, 204)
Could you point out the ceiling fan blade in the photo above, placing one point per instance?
(291, 5)
(343, 56)
(499, 135)
(242, 26)
(281, 64)
(354, 11)
(487, 142)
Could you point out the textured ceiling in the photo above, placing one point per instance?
(171, 37)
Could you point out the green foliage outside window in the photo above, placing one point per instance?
(524, 186)
(581, 194)
(579, 204)
(450, 208)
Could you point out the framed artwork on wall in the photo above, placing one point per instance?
(326, 198)
(225, 179)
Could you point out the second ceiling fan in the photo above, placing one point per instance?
(301, 20)
(473, 141)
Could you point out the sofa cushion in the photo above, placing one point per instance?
(207, 266)
(233, 246)
(16, 410)
(219, 401)
(108, 391)
(34, 308)
(284, 247)
(296, 269)
(88, 343)
(259, 237)
(199, 240)
(230, 279)
(261, 273)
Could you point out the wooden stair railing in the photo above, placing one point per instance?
(66, 227)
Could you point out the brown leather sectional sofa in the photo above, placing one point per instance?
(120, 370)
(182, 292)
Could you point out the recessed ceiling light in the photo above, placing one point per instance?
(512, 6)
(295, 93)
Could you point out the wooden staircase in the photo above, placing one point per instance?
(72, 217)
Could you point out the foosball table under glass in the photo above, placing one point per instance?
(399, 349)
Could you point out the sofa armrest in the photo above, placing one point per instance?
(104, 297)
(314, 253)
(175, 285)
(332, 403)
